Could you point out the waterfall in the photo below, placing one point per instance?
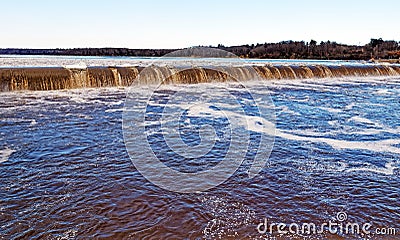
(54, 78)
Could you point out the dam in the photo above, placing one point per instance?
(57, 78)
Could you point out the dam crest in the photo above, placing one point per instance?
(56, 78)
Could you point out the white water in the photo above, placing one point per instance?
(5, 154)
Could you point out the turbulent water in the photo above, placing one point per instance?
(60, 72)
(66, 174)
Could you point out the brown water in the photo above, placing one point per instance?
(55, 78)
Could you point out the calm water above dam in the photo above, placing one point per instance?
(56, 61)
(66, 173)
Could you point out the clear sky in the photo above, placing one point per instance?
(179, 24)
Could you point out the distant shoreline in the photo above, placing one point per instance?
(375, 49)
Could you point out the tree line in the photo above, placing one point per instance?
(375, 49)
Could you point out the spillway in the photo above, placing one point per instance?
(55, 78)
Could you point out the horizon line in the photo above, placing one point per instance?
(212, 46)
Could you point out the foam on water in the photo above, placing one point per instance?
(388, 169)
(252, 123)
(286, 109)
(363, 120)
(5, 154)
(228, 217)
(331, 110)
(258, 124)
(383, 92)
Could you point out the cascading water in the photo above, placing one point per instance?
(55, 78)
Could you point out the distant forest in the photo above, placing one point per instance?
(375, 49)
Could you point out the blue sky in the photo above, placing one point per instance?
(179, 24)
